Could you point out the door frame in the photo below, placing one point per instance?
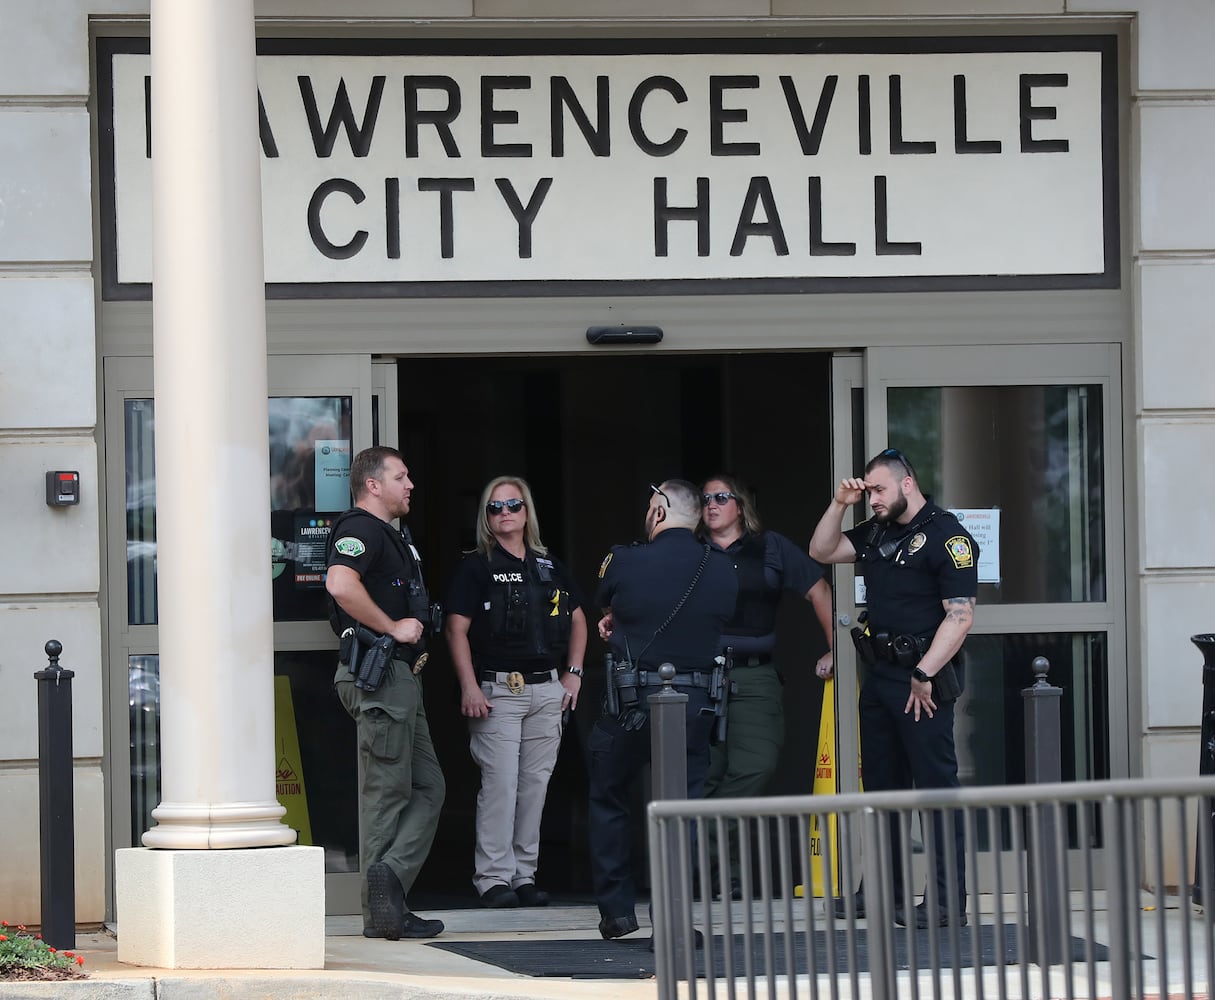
(125, 378)
(869, 376)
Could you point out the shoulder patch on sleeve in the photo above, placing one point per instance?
(959, 551)
(604, 565)
(350, 546)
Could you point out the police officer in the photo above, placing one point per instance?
(921, 581)
(664, 602)
(375, 579)
(768, 564)
(517, 634)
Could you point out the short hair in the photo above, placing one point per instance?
(742, 496)
(683, 499)
(531, 533)
(889, 458)
(369, 464)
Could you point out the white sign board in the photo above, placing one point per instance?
(461, 172)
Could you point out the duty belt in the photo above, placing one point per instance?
(754, 660)
(500, 676)
(886, 646)
(650, 678)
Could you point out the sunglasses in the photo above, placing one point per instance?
(498, 506)
(898, 456)
(721, 499)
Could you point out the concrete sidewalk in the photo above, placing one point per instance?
(357, 967)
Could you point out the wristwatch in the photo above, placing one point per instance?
(919, 675)
(576, 671)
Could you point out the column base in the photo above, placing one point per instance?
(261, 908)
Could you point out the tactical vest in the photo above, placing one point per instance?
(529, 613)
(755, 613)
(409, 599)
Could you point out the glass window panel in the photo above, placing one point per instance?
(316, 761)
(143, 685)
(316, 757)
(141, 511)
(310, 445)
(989, 726)
(1032, 452)
(310, 448)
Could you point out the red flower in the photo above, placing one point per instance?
(80, 960)
(51, 950)
(3, 937)
(69, 954)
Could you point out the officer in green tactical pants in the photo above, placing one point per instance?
(767, 564)
(374, 577)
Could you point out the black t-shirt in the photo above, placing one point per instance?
(642, 584)
(935, 559)
(469, 595)
(387, 563)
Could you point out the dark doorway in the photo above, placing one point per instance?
(589, 433)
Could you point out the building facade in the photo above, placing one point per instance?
(979, 232)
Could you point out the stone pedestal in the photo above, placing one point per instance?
(262, 908)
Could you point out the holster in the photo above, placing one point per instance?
(368, 656)
(863, 642)
(949, 682)
(611, 701)
(720, 688)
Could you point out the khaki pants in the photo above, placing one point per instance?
(516, 749)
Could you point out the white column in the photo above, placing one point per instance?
(260, 908)
(212, 463)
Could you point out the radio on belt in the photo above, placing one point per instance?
(62, 489)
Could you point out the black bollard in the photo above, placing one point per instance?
(57, 837)
(1043, 750)
(1206, 756)
(669, 780)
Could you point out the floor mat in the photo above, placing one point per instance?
(630, 958)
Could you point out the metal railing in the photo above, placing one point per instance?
(1096, 932)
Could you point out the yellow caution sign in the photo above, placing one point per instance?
(289, 769)
(825, 783)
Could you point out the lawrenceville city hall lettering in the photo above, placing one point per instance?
(618, 166)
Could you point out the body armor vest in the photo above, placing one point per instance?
(755, 613)
(529, 613)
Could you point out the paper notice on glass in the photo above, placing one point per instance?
(983, 523)
(332, 475)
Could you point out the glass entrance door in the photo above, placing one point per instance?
(1024, 444)
(320, 412)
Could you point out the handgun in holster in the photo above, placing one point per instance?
(863, 641)
(720, 688)
(367, 654)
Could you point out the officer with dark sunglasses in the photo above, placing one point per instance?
(921, 580)
(517, 634)
(768, 565)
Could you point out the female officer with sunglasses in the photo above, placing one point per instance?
(517, 635)
(767, 564)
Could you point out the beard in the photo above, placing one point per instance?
(895, 510)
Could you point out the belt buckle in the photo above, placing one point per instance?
(514, 682)
(419, 663)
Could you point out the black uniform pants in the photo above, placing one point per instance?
(617, 757)
(898, 753)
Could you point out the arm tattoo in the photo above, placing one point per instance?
(960, 609)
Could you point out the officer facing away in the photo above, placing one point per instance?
(664, 602)
(375, 579)
(921, 581)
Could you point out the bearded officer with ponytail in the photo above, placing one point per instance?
(517, 634)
